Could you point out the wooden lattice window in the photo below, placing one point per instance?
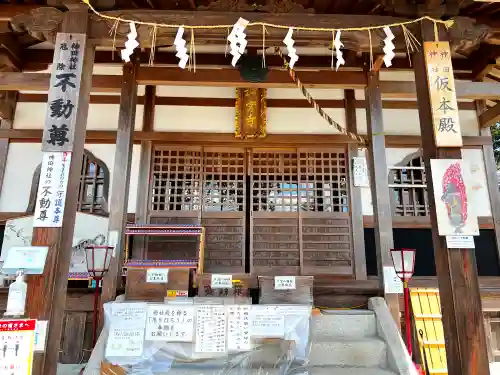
(274, 181)
(176, 180)
(492, 327)
(408, 185)
(94, 186)
(223, 181)
(323, 181)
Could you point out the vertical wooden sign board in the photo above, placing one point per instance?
(442, 94)
(59, 130)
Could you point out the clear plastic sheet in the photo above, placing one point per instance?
(275, 341)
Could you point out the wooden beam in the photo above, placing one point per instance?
(229, 77)
(47, 292)
(7, 100)
(490, 170)
(379, 186)
(230, 102)
(456, 268)
(143, 202)
(121, 181)
(9, 11)
(39, 59)
(465, 90)
(356, 209)
(214, 139)
(489, 117)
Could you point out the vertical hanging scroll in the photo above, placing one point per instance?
(443, 96)
(251, 111)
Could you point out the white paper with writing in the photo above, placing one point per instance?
(221, 281)
(238, 332)
(157, 275)
(392, 283)
(126, 333)
(284, 283)
(267, 321)
(460, 242)
(173, 323)
(210, 329)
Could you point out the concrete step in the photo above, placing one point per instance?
(352, 324)
(366, 352)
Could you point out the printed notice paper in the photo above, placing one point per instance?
(210, 329)
(170, 323)
(157, 275)
(222, 281)
(238, 332)
(126, 333)
(284, 283)
(267, 321)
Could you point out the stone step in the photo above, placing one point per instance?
(332, 325)
(366, 352)
(335, 370)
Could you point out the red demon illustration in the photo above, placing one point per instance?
(455, 197)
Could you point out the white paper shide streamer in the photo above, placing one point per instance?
(338, 52)
(130, 44)
(180, 47)
(388, 47)
(237, 40)
(292, 52)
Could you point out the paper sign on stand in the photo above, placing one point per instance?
(30, 259)
(222, 281)
(157, 275)
(16, 346)
(284, 283)
(41, 335)
(170, 323)
(460, 242)
(238, 333)
(210, 329)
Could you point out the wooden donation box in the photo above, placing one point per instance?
(241, 283)
(155, 279)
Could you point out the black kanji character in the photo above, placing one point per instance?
(444, 54)
(61, 66)
(44, 203)
(58, 135)
(72, 63)
(45, 191)
(43, 215)
(208, 290)
(442, 84)
(58, 108)
(63, 46)
(65, 81)
(445, 105)
(447, 124)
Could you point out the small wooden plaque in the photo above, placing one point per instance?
(137, 289)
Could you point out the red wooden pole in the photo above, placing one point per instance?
(95, 321)
(406, 291)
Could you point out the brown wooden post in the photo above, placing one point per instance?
(379, 185)
(142, 206)
(356, 209)
(490, 170)
(121, 177)
(456, 269)
(47, 293)
(8, 101)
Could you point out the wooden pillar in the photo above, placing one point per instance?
(121, 177)
(8, 101)
(46, 298)
(379, 185)
(490, 170)
(356, 209)
(143, 203)
(456, 269)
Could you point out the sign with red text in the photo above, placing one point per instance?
(17, 339)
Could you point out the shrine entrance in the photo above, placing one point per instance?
(266, 211)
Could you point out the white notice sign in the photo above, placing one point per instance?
(360, 172)
(170, 323)
(210, 329)
(238, 333)
(157, 275)
(31, 259)
(51, 196)
(284, 283)
(392, 283)
(222, 281)
(460, 242)
(267, 321)
(16, 346)
(126, 334)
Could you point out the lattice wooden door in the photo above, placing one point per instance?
(274, 241)
(223, 209)
(325, 228)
